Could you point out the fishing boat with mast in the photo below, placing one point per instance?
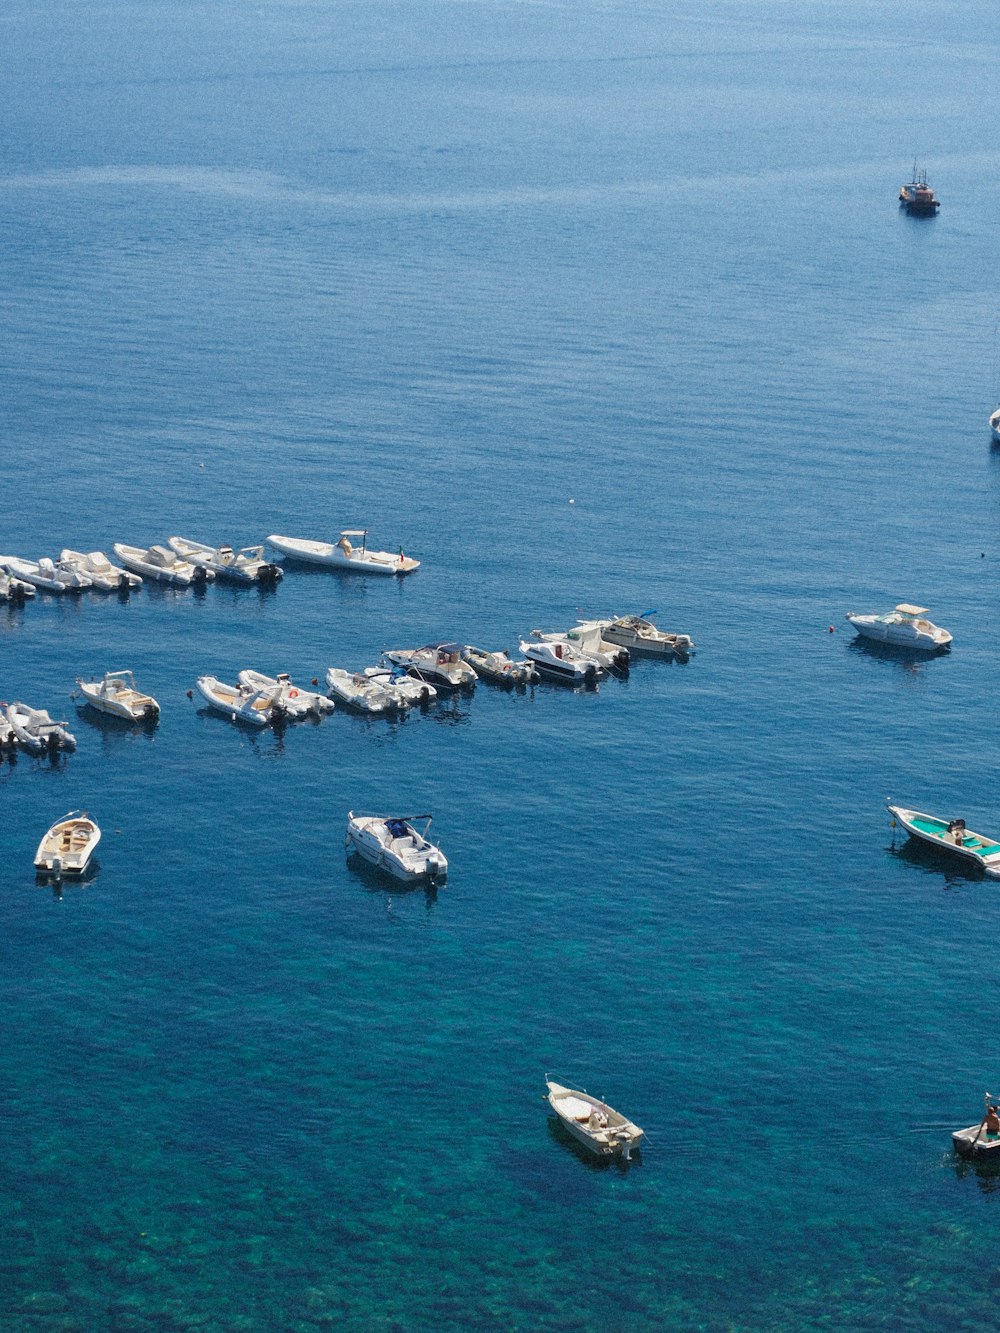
(917, 197)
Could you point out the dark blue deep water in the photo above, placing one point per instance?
(440, 269)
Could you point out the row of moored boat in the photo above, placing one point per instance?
(181, 563)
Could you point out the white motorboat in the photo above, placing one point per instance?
(601, 1129)
(161, 564)
(257, 708)
(981, 1141)
(639, 635)
(561, 661)
(952, 836)
(437, 663)
(36, 731)
(395, 845)
(296, 702)
(586, 639)
(117, 694)
(995, 424)
(345, 553)
(13, 589)
(356, 690)
(906, 627)
(104, 576)
(51, 575)
(249, 565)
(499, 668)
(68, 846)
(402, 686)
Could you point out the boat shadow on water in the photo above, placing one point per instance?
(909, 659)
(565, 1140)
(377, 881)
(925, 857)
(59, 883)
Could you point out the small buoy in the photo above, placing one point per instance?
(572, 502)
(201, 464)
(832, 630)
(190, 694)
(314, 681)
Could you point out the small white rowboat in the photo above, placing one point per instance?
(951, 835)
(601, 1129)
(68, 846)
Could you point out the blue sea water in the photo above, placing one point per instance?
(593, 308)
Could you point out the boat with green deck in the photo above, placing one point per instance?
(951, 835)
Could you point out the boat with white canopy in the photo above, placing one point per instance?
(906, 627)
(350, 551)
(51, 575)
(439, 664)
(257, 708)
(640, 635)
(162, 564)
(117, 694)
(396, 845)
(951, 835)
(103, 575)
(36, 731)
(296, 702)
(67, 847)
(249, 565)
(599, 1127)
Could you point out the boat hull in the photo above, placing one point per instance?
(602, 1130)
(899, 635)
(331, 555)
(940, 833)
(974, 1142)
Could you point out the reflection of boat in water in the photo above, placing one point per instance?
(951, 835)
(983, 1140)
(600, 1128)
(68, 846)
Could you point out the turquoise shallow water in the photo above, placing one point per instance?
(441, 269)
